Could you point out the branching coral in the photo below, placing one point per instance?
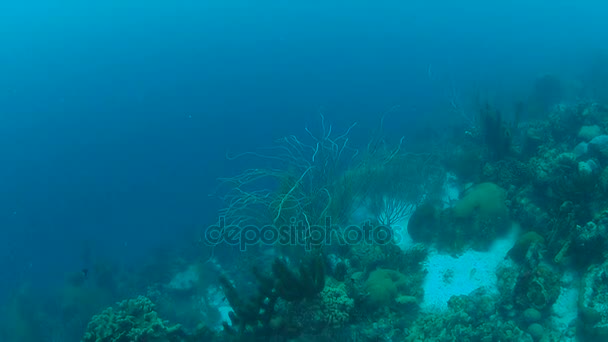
(336, 306)
(466, 320)
(132, 320)
(324, 181)
(391, 182)
(297, 185)
(391, 210)
(331, 309)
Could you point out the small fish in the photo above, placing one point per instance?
(472, 273)
(85, 273)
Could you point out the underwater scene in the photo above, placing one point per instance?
(210, 171)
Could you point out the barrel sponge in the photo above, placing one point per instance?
(486, 200)
(131, 320)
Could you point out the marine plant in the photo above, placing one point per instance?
(297, 184)
(255, 317)
(495, 133)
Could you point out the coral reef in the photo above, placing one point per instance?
(387, 287)
(485, 200)
(526, 209)
(593, 302)
(470, 318)
(135, 320)
(332, 309)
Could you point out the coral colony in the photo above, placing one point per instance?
(499, 232)
(498, 235)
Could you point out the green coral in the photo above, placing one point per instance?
(476, 219)
(370, 257)
(485, 200)
(523, 244)
(131, 320)
(388, 287)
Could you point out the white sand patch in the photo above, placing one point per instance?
(185, 280)
(450, 276)
(565, 309)
(217, 299)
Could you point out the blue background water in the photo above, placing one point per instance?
(115, 116)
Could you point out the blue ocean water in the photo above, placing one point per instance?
(116, 116)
